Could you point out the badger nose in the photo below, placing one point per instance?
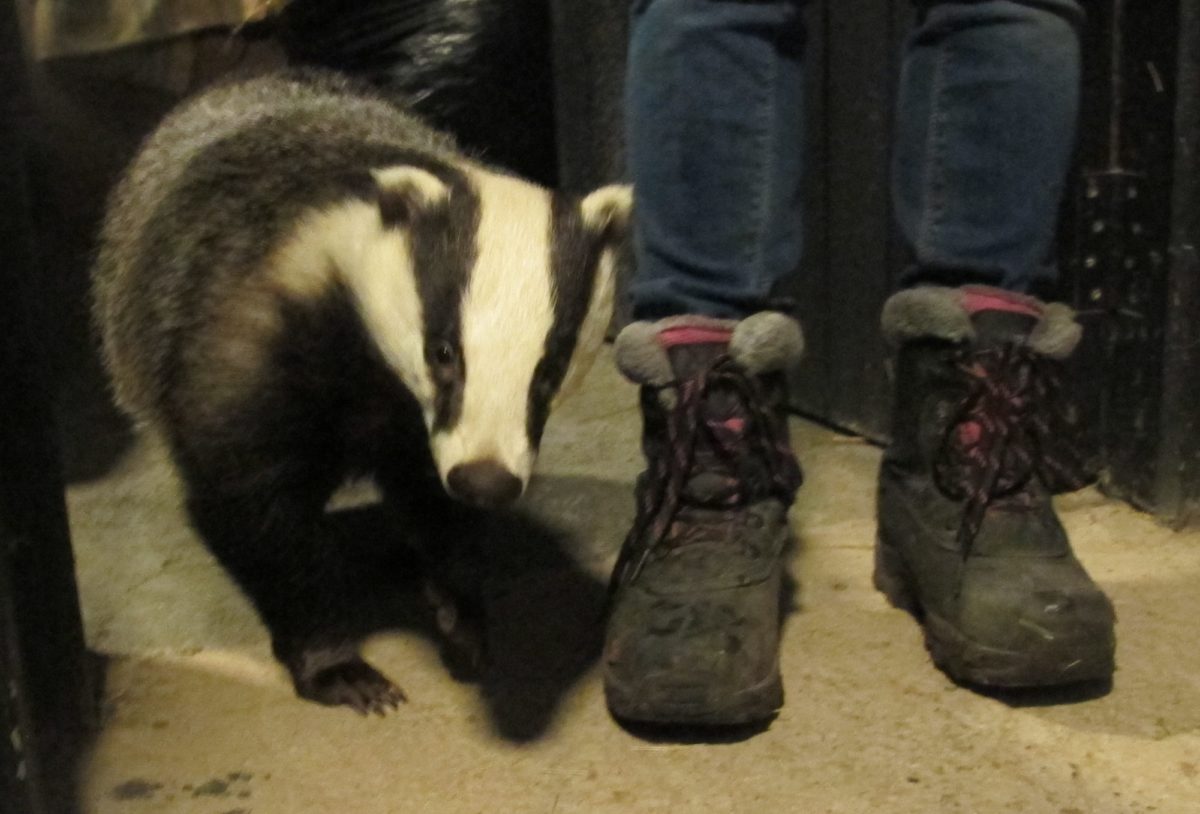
(483, 483)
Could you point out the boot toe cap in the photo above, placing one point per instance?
(1028, 627)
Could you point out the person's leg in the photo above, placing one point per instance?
(985, 128)
(968, 537)
(714, 139)
(714, 130)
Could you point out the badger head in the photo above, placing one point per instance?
(489, 297)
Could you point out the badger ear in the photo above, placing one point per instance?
(605, 215)
(403, 191)
(606, 212)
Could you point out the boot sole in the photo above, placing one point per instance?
(1062, 662)
(694, 704)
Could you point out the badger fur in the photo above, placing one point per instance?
(299, 283)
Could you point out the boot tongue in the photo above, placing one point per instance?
(688, 361)
(994, 328)
(693, 350)
(1000, 317)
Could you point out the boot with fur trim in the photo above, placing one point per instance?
(693, 631)
(969, 541)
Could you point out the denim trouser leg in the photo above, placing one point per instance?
(714, 134)
(986, 120)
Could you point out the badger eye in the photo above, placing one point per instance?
(443, 353)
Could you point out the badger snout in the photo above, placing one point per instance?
(487, 484)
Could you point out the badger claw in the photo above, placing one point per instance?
(348, 682)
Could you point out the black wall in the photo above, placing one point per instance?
(1127, 226)
(45, 704)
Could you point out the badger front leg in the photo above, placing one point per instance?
(448, 537)
(461, 620)
(279, 550)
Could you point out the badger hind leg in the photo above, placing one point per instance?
(277, 546)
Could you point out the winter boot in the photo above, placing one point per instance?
(693, 631)
(968, 540)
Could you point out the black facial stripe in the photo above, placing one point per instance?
(444, 251)
(574, 258)
(233, 210)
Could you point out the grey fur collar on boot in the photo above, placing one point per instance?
(943, 313)
(766, 342)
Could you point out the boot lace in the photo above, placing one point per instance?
(1012, 425)
(762, 439)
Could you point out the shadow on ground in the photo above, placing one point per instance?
(544, 610)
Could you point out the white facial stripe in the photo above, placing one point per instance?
(375, 264)
(505, 315)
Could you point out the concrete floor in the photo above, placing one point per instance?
(200, 720)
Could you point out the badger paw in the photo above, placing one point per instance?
(334, 679)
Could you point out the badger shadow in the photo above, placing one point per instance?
(543, 610)
(545, 624)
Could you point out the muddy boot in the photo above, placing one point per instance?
(693, 632)
(968, 541)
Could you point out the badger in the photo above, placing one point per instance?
(300, 283)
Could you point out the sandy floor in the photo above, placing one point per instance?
(201, 720)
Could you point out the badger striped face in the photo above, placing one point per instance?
(515, 286)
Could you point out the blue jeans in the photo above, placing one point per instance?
(985, 127)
